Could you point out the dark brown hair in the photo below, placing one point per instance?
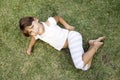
(24, 22)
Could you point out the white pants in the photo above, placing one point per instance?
(76, 49)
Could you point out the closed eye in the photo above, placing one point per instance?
(30, 32)
(31, 26)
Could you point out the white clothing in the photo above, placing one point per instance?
(76, 49)
(53, 35)
(56, 37)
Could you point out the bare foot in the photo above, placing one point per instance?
(100, 39)
(91, 42)
(98, 44)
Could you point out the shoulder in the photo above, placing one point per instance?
(35, 37)
(51, 21)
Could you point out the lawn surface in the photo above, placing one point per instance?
(92, 18)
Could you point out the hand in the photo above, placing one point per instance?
(29, 52)
(70, 28)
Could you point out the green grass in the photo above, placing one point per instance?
(92, 18)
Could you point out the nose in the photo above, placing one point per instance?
(34, 31)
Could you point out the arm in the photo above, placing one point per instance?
(31, 44)
(63, 22)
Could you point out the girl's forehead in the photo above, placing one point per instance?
(32, 25)
(28, 27)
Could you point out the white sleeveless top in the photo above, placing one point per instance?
(54, 35)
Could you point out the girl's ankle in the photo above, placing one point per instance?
(98, 44)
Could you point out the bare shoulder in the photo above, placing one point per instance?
(47, 23)
(56, 18)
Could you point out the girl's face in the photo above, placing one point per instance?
(34, 28)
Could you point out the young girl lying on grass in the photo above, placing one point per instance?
(60, 38)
